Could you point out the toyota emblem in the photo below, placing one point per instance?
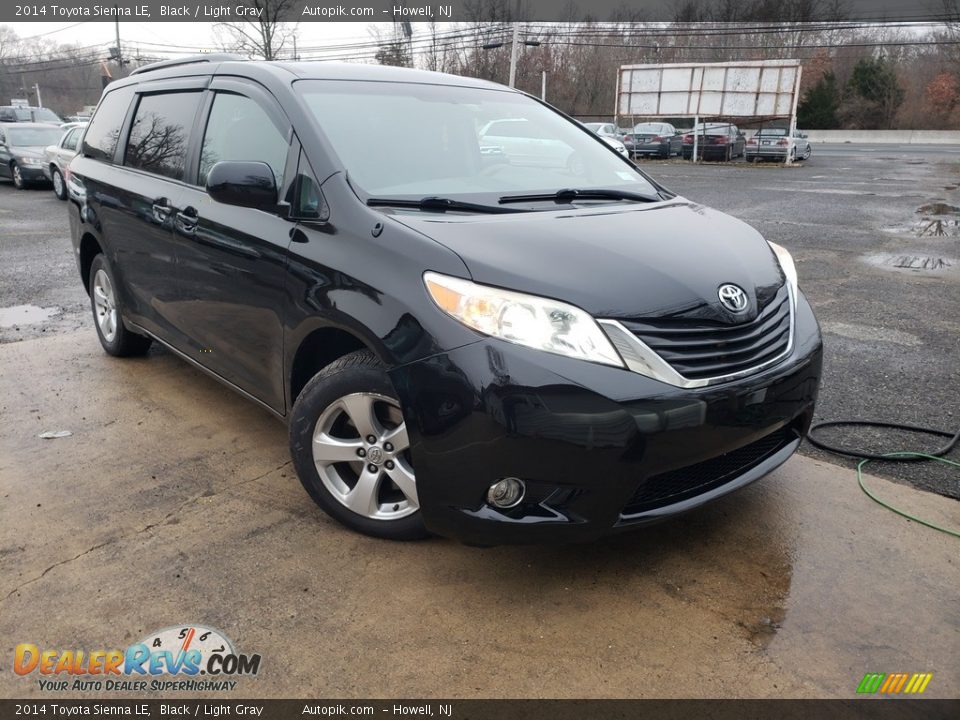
(733, 298)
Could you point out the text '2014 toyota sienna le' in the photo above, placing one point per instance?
(476, 317)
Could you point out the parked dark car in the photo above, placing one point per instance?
(716, 141)
(654, 139)
(515, 352)
(21, 151)
(58, 156)
(16, 113)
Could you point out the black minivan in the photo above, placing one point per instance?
(501, 337)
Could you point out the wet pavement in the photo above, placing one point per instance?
(174, 502)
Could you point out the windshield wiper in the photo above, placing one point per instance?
(439, 204)
(568, 195)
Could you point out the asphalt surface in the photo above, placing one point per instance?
(884, 285)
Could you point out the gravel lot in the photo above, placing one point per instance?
(884, 282)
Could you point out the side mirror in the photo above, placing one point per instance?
(245, 184)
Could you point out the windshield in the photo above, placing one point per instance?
(44, 115)
(472, 144)
(649, 128)
(772, 131)
(33, 137)
(594, 127)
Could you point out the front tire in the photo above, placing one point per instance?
(349, 444)
(59, 186)
(116, 339)
(18, 182)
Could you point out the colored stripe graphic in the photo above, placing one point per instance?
(870, 683)
(894, 683)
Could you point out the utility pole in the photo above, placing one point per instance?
(514, 51)
(543, 85)
(36, 86)
(119, 51)
(295, 56)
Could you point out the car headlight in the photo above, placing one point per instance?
(35, 161)
(528, 320)
(787, 265)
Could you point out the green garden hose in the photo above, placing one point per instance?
(904, 456)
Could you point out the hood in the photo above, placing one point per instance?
(628, 262)
(31, 151)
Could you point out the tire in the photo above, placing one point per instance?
(59, 186)
(18, 182)
(808, 153)
(728, 154)
(340, 409)
(116, 339)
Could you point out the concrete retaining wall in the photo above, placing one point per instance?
(900, 137)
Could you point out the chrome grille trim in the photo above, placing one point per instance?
(641, 359)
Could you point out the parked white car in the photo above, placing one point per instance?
(57, 157)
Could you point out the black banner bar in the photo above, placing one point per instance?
(415, 11)
(878, 709)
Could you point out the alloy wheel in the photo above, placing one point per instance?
(58, 183)
(361, 451)
(105, 305)
(17, 177)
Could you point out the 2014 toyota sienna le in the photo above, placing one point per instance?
(504, 338)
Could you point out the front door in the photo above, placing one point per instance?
(232, 260)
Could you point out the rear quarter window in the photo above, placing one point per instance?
(160, 133)
(103, 133)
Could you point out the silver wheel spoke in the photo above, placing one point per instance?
(403, 478)
(327, 449)
(397, 437)
(362, 499)
(360, 410)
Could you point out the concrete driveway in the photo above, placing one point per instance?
(174, 502)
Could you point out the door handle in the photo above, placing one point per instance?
(187, 219)
(161, 210)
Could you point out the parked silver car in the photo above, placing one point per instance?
(57, 157)
(778, 144)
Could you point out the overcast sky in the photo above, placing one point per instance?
(183, 33)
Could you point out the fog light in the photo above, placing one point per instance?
(505, 493)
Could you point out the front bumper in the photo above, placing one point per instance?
(33, 173)
(600, 449)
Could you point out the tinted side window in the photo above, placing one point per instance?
(308, 202)
(239, 130)
(102, 134)
(160, 133)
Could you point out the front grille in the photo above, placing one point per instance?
(699, 349)
(687, 482)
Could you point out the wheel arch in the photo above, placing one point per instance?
(317, 349)
(89, 249)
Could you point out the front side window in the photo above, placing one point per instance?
(161, 132)
(100, 140)
(240, 130)
(463, 143)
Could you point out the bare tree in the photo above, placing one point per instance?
(262, 37)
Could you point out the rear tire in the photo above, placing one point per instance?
(116, 339)
(349, 444)
(59, 186)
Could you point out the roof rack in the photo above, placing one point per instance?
(188, 60)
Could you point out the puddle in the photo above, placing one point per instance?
(938, 208)
(25, 315)
(870, 333)
(919, 262)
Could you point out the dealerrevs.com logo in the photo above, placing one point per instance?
(184, 657)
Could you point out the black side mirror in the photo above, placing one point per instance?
(245, 184)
